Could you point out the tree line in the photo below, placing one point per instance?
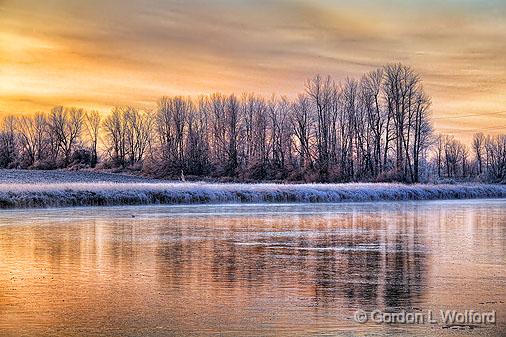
(374, 128)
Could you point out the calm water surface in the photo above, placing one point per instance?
(233, 270)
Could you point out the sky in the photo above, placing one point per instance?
(97, 53)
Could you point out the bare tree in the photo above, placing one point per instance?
(371, 85)
(439, 147)
(321, 92)
(93, 121)
(197, 144)
(137, 134)
(232, 124)
(302, 122)
(171, 121)
(408, 106)
(8, 141)
(114, 127)
(374, 129)
(478, 148)
(65, 124)
(26, 129)
(496, 158)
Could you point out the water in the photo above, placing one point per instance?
(256, 270)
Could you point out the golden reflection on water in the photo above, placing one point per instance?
(249, 269)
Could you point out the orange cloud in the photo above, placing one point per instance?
(97, 54)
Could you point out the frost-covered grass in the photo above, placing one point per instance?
(67, 190)
(65, 176)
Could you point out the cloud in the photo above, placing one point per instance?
(117, 52)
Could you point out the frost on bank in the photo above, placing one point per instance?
(108, 193)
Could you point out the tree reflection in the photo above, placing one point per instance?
(351, 258)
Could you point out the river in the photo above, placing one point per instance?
(252, 269)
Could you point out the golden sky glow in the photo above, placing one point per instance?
(95, 54)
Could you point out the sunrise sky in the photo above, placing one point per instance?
(98, 53)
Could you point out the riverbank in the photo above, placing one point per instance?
(28, 189)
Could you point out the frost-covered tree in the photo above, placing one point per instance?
(373, 128)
